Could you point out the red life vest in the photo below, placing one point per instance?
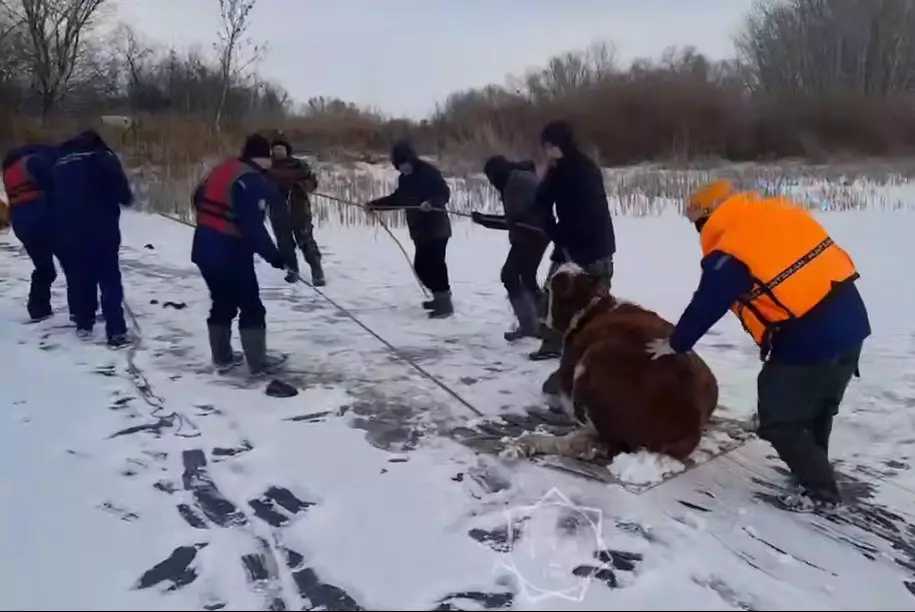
(215, 210)
(19, 185)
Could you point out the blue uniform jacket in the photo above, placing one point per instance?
(834, 326)
(90, 187)
(252, 193)
(32, 220)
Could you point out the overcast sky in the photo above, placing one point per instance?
(402, 56)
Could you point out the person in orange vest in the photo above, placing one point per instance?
(793, 290)
(230, 204)
(27, 181)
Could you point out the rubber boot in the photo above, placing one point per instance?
(224, 358)
(254, 344)
(822, 430)
(429, 304)
(442, 306)
(550, 348)
(525, 310)
(118, 341)
(317, 274)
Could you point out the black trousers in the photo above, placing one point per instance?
(41, 252)
(430, 264)
(94, 270)
(796, 405)
(519, 272)
(234, 292)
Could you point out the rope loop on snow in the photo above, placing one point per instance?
(184, 427)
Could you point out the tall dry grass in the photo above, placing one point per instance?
(644, 190)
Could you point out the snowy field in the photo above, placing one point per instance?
(140, 480)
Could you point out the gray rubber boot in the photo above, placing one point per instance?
(254, 344)
(224, 358)
(441, 305)
(317, 274)
(525, 310)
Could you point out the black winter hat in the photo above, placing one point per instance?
(402, 152)
(256, 146)
(497, 169)
(559, 134)
(284, 142)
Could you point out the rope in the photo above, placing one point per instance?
(449, 211)
(387, 229)
(425, 373)
(174, 419)
(393, 349)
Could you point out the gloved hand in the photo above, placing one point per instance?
(659, 347)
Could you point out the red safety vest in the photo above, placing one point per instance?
(215, 211)
(20, 188)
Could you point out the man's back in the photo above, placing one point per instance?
(585, 227)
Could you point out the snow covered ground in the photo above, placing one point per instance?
(139, 480)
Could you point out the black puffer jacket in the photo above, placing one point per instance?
(517, 184)
(424, 184)
(574, 184)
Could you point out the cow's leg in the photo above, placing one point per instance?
(581, 443)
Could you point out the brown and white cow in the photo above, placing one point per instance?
(624, 400)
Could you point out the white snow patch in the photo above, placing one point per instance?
(643, 467)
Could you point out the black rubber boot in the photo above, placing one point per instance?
(550, 348)
(442, 307)
(317, 275)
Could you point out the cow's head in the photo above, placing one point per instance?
(571, 291)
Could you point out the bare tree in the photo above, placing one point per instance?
(803, 47)
(231, 46)
(55, 31)
(136, 57)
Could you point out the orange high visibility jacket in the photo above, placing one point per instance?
(792, 259)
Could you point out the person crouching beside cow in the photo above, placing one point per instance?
(291, 218)
(90, 187)
(582, 230)
(27, 181)
(793, 290)
(423, 193)
(517, 186)
(623, 400)
(230, 205)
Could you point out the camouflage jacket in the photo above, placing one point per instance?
(295, 180)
